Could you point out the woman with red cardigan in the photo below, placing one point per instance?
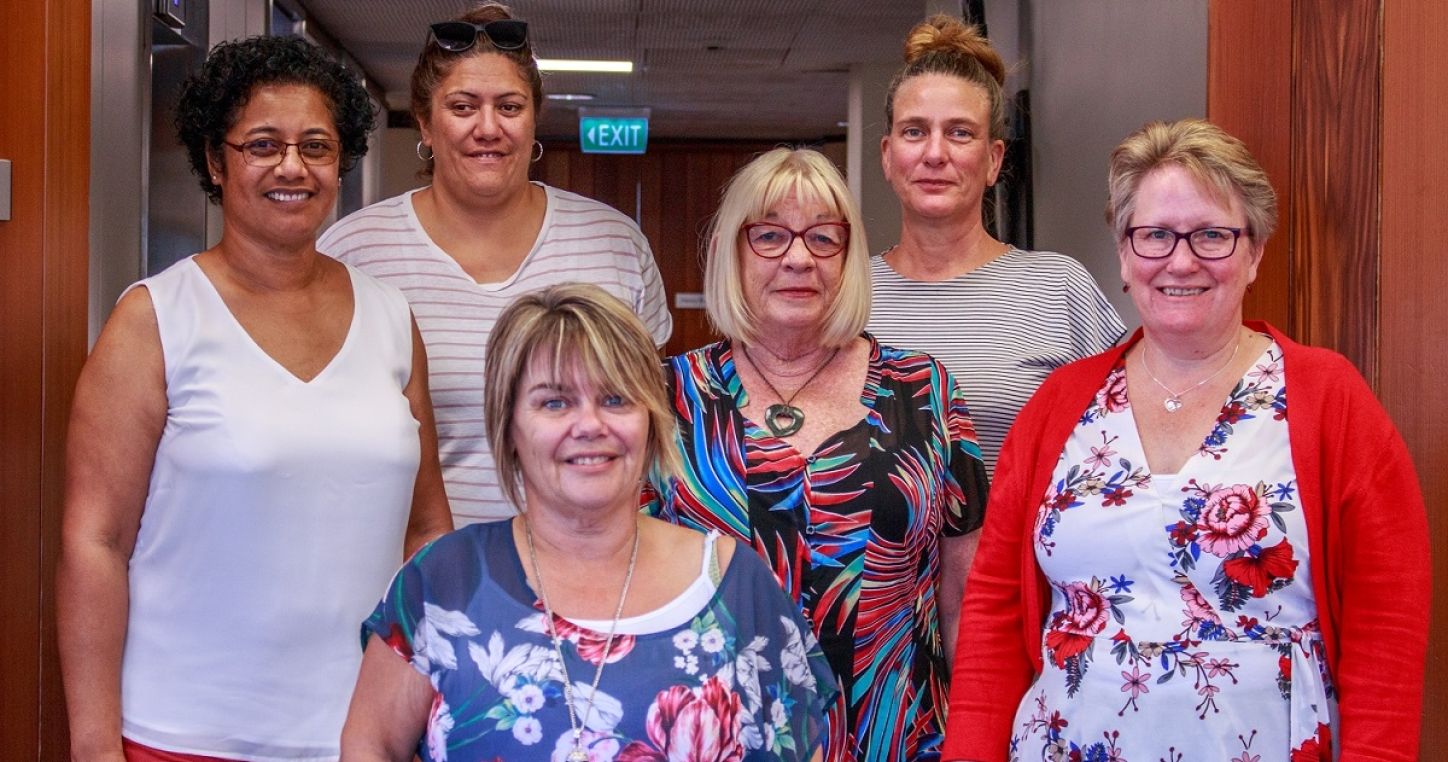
(1208, 543)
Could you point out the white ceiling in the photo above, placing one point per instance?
(756, 69)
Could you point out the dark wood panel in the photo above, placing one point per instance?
(45, 130)
(1335, 174)
(1413, 314)
(1249, 94)
(66, 298)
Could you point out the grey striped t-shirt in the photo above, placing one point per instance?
(581, 240)
(1000, 329)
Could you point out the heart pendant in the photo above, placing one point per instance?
(783, 420)
(1172, 404)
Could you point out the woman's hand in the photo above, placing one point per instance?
(115, 425)
(389, 707)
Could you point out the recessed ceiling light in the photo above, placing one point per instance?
(571, 96)
(565, 64)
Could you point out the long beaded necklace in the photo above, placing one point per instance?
(1173, 402)
(578, 754)
(784, 419)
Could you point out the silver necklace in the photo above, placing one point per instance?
(1173, 402)
(578, 754)
(785, 419)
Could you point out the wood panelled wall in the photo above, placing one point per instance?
(671, 191)
(1342, 102)
(45, 132)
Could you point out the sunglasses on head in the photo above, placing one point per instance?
(457, 36)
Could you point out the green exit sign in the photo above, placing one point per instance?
(613, 134)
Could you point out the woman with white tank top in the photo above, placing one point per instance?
(250, 448)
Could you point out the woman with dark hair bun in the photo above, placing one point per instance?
(251, 447)
(481, 235)
(1001, 318)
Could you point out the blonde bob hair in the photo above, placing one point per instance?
(810, 178)
(581, 329)
(1219, 162)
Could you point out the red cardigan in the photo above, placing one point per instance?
(1366, 526)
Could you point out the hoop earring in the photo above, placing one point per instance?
(539, 153)
(421, 145)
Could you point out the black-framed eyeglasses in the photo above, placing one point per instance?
(457, 36)
(1150, 242)
(823, 240)
(269, 152)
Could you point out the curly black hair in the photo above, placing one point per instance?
(212, 98)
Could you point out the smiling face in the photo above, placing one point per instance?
(791, 294)
(579, 447)
(283, 205)
(480, 127)
(1181, 295)
(939, 156)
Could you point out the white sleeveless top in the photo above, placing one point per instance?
(274, 520)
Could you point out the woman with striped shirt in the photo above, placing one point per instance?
(999, 317)
(481, 235)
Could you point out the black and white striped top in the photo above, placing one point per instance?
(1000, 329)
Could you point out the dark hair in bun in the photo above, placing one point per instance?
(945, 45)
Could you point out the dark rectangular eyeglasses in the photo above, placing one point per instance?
(1150, 242)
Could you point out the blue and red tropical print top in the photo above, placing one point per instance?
(742, 681)
(851, 531)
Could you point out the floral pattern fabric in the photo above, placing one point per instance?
(851, 531)
(743, 680)
(1183, 625)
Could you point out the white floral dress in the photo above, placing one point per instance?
(1182, 623)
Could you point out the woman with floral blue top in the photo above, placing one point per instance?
(582, 630)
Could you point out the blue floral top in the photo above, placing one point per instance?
(743, 680)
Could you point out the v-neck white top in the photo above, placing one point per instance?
(274, 520)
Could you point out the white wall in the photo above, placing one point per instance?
(1099, 70)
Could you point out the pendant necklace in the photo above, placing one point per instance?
(578, 754)
(1173, 402)
(784, 418)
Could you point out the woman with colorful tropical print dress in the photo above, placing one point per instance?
(1208, 544)
(850, 466)
(581, 630)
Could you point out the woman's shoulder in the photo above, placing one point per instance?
(368, 284)
(1044, 268)
(899, 362)
(461, 550)
(571, 207)
(390, 216)
(697, 360)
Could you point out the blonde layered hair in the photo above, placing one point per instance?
(574, 328)
(808, 177)
(1219, 162)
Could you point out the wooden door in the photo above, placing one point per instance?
(1342, 102)
(45, 133)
